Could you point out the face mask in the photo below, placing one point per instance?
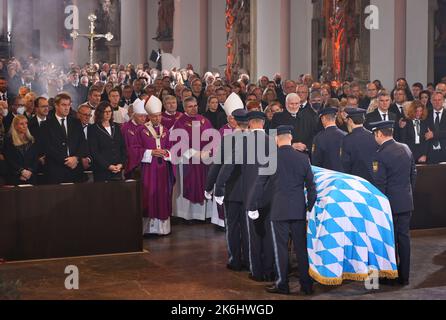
(21, 110)
(5, 112)
(316, 106)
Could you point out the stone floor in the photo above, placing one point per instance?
(190, 264)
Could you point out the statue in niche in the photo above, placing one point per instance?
(108, 16)
(241, 34)
(166, 11)
(340, 45)
(440, 24)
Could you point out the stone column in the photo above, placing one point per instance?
(382, 44)
(217, 35)
(417, 41)
(191, 33)
(22, 27)
(142, 31)
(272, 38)
(301, 37)
(400, 38)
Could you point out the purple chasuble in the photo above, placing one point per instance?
(194, 175)
(157, 177)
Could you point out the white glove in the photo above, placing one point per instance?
(219, 200)
(208, 195)
(253, 215)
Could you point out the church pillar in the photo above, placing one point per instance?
(272, 43)
(301, 37)
(382, 44)
(142, 30)
(417, 43)
(4, 15)
(130, 26)
(191, 33)
(400, 38)
(285, 26)
(217, 36)
(22, 28)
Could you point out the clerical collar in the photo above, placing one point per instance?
(254, 130)
(171, 114)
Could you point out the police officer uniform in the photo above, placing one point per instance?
(235, 215)
(261, 253)
(288, 212)
(394, 173)
(326, 145)
(358, 148)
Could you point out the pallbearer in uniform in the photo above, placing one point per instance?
(157, 174)
(261, 253)
(189, 199)
(288, 210)
(359, 147)
(130, 131)
(394, 173)
(235, 215)
(232, 104)
(327, 143)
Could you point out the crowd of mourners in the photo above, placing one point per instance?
(57, 124)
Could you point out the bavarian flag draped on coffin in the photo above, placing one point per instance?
(350, 230)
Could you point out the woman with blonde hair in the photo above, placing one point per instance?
(268, 97)
(21, 153)
(414, 128)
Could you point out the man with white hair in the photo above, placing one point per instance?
(305, 123)
(157, 174)
(130, 132)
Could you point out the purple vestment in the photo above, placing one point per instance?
(157, 177)
(168, 120)
(194, 175)
(130, 132)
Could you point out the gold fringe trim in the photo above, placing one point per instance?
(389, 274)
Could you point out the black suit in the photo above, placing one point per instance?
(106, 150)
(235, 215)
(357, 153)
(437, 146)
(326, 149)
(19, 159)
(375, 116)
(7, 121)
(58, 145)
(394, 173)
(289, 211)
(259, 231)
(305, 124)
(408, 136)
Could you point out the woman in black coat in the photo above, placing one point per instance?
(107, 147)
(21, 153)
(413, 129)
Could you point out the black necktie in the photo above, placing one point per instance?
(63, 127)
(384, 117)
(437, 121)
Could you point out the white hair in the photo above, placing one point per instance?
(291, 96)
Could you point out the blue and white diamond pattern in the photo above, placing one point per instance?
(350, 230)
